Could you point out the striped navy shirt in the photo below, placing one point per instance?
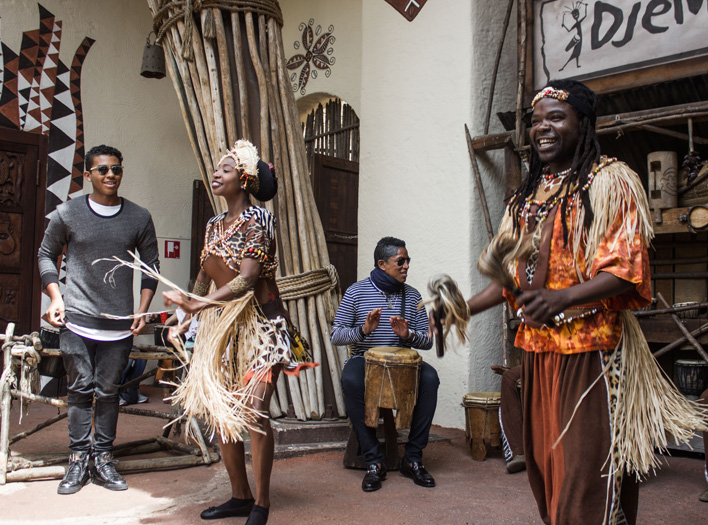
(361, 298)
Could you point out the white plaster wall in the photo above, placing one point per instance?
(345, 80)
(139, 116)
(421, 82)
(414, 170)
(487, 23)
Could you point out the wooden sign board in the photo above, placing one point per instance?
(586, 39)
(408, 8)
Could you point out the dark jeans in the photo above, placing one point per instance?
(353, 387)
(94, 369)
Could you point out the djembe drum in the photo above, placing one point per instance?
(482, 422)
(691, 376)
(391, 381)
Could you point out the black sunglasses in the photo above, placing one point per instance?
(103, 169)
(403, 260)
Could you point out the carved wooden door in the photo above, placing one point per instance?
(23, 165)
(202, 212)
(336, 188)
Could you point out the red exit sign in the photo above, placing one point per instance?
(171, 249)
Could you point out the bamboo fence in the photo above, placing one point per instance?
(332, 130)
(227, 64)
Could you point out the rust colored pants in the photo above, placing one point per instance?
(569, 482)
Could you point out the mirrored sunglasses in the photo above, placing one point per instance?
(103, 169)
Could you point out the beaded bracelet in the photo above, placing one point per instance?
(560, 318)
(255, 253)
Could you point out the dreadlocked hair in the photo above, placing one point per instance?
(587, 154)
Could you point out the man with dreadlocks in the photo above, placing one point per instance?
(585, 225)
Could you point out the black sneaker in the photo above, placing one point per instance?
(77, 474)
(105, 474)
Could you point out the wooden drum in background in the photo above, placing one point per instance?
(482, 422)
(391, 381)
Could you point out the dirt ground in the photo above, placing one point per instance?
(316, 489)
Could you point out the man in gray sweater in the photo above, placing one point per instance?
(96, 349)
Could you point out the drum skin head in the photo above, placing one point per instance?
(392, 354)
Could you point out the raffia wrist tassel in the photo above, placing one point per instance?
(449, 302)
(498, 259)
(649, 407)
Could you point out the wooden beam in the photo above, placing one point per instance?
(650, 75)
(135, 465)
(671, 133)
(673, 222)
(683, 329)
(492, 141)
(39, 399)
(159, 353)
(663, 330)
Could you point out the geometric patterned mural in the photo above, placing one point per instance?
(40, 94)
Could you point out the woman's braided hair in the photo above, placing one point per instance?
(587, 153)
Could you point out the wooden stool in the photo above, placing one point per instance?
(391, 380)
(353, 458)
(482, 422)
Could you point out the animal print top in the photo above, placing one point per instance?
(252, 235)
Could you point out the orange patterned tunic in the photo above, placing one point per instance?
(618, 254)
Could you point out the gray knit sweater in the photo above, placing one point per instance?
(87, 237)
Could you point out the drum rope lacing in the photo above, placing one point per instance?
(387, 370)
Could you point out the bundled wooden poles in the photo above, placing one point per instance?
(227, 63)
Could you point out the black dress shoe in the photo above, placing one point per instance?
(416, 471)
(258, 516)
(77, 475)
(375, 474)
(231, 509)
(105, 473)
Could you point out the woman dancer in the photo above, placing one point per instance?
(250, 336)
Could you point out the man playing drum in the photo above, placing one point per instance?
(382, 310)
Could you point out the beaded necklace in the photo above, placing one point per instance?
(544, 208)
(217, 243)
(551, 176)
(551, 181)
